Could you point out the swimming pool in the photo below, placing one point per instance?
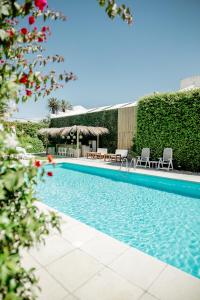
(157, 215)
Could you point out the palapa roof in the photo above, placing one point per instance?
(64, 131)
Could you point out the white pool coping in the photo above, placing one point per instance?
(83, 263)
(99, 163)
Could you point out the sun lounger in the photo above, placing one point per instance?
(117, 156)
(144, 158)
(166, 160)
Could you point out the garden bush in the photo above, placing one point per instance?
(28, 135)
(31, 144)
(171, 120)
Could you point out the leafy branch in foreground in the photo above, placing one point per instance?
(21, 76)
(113, 10)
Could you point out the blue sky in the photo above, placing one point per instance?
(117, 63)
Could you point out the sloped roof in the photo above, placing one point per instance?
(92, 110)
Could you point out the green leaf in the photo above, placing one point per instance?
(13, 180)
(3, 34)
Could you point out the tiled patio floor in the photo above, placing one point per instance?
(85, 264)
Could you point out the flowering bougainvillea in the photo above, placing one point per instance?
(21, 49)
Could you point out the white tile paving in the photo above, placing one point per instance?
(78, 235)
(50, 288)
(176, 285)
(107, 285)
(74, 269)
(28, 261)
(55, 247)
(70, 297)
(104, 248)
(138, 267)
(104, 269)
(147, 296)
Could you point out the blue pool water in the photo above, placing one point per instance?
(156, 215)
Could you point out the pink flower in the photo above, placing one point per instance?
(31, 20)
(40, 40)
(44, 28)
(24, 31)
(41, 4)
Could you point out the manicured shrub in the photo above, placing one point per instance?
(171, 120)
(106, 119)
(31, 144)
(28, 135)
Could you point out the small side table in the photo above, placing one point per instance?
(154, 163)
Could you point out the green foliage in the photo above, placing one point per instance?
(113, 9)
(32, 144)
(65, 105)
(171, 120)
(53, 105)
(106, 119)
(21, 223)
(28, 135)
(28, 128)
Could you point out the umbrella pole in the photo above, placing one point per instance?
(77, 141)
(97, 141)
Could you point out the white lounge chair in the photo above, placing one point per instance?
(22, 154)
(122, 152)
(144, 158)
(166, 160)
(102, 151)
(118, 155)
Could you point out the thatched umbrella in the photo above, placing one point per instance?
(78, 129)
(51, 132)
(64, 131)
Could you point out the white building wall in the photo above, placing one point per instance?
(190, 83)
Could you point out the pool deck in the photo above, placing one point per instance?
(83, 263)
(100, 163)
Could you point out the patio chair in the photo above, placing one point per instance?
(144, 158)
(62, 151)
(166, 159)
(118, 155)
(71, 152)
(101, 152)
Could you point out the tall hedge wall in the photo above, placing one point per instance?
(171, 120)
(106, 119)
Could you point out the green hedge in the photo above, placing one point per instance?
(171, 120)
(32, 144)
(106, 119)
(27, 132)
